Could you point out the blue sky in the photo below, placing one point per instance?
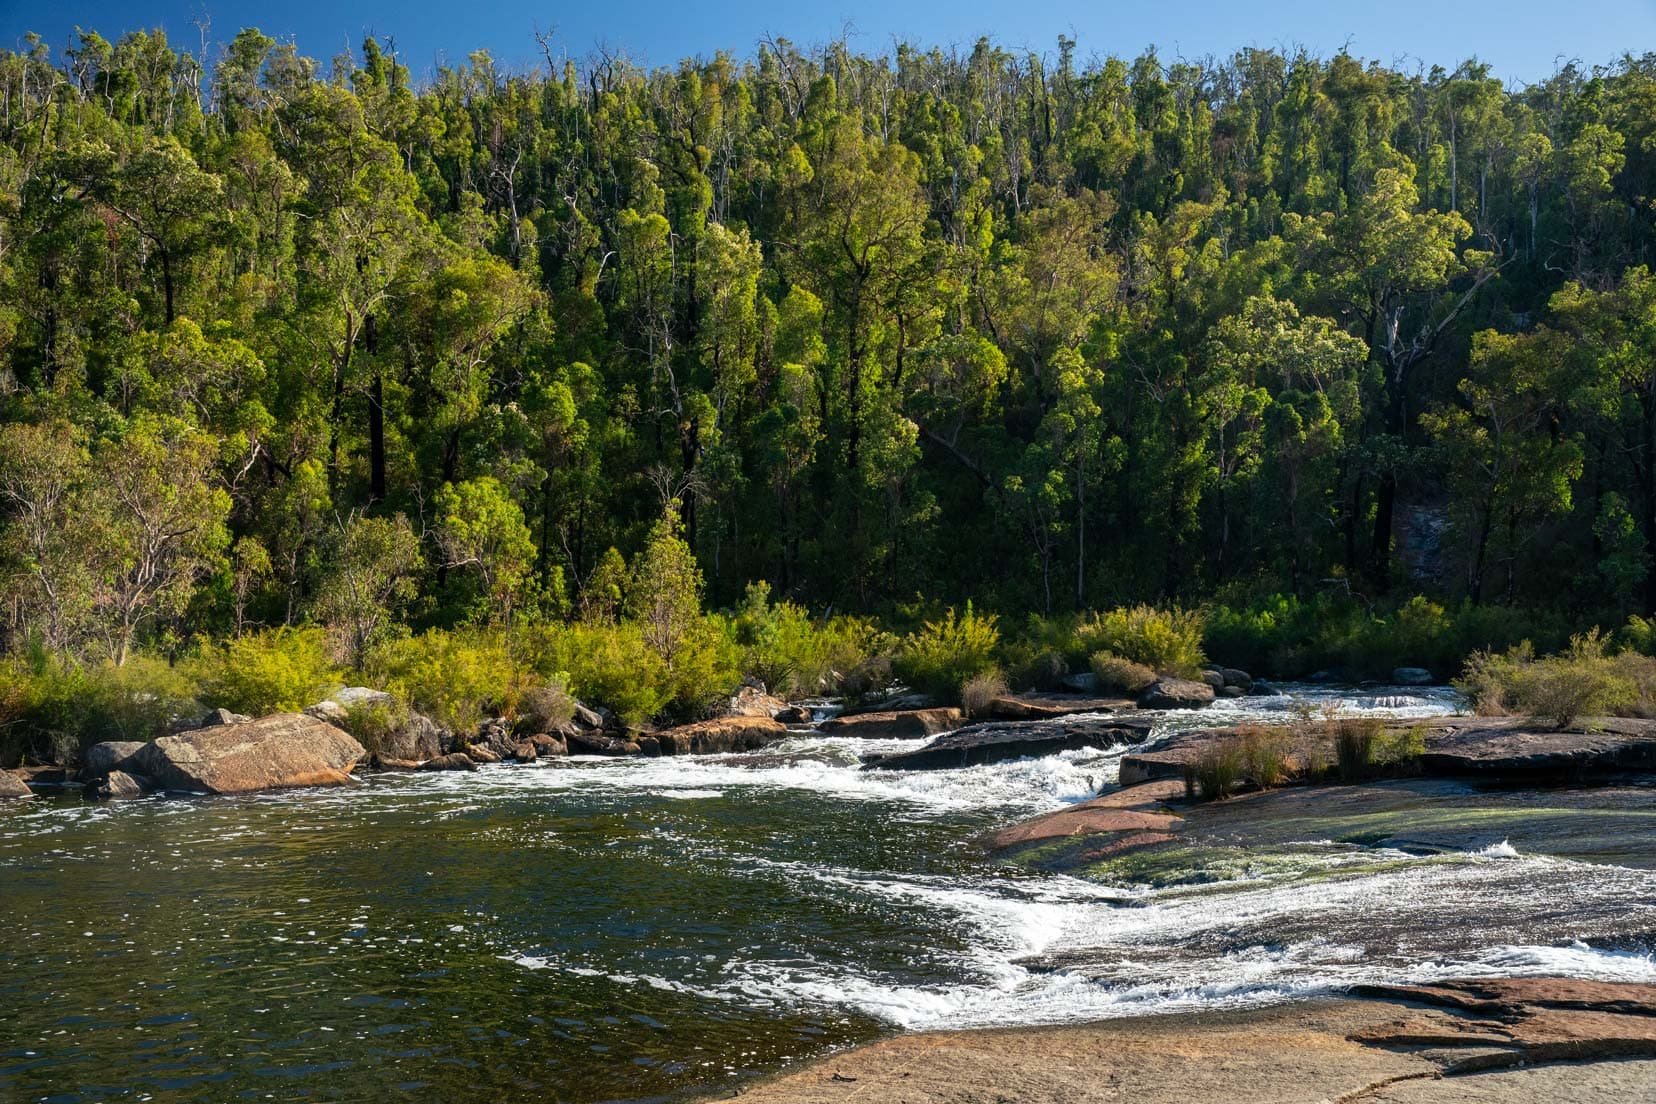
(1523, 39)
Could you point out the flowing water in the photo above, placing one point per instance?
(591, 930)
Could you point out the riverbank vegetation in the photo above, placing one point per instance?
(817, 368)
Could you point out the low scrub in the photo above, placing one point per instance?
(275, 671)
(793, 655)
(1585, 680)
(979, 692)
(1121, 676)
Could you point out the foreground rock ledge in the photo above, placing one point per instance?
(1481, 1046)
(275, 752)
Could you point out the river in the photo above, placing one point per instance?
(597, 930)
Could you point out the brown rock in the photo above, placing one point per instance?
(1082, 820)
(596, 743)
(287, 749)
(385, 764)
(794, 715)
(751, 701)
(13, 786)
(548, 746)
(723, 734)
(648, 745)
(1039, 707)
(480, 753)
(1174, 693)
(118, 785)
(895, 724)
(453, 761)
(102, 758)
(525, 753)
(998, 740)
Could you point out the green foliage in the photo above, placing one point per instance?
(1583, 681)
(793, 654)
(1168, 641)
(274, 671)
(941, 657)
(545, 708)
(1120, 676)
(52, 709)
(455, 678)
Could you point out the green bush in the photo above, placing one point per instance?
(1035, 666)
(1167, 641)
(1354, 746)
(793, 655)
(1582, 681)
(1118, 675)
(274, 671)
(608, 665)
(370, 723)
(53, 708)
(545, 708)
(455, 678)
(945, 654)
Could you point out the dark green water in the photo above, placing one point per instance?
(642, 930)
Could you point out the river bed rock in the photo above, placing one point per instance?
(118, 785)
(101, 758)
(900, 724)
(722, 734)
(998, 740)
(1175, 693)
(275, 752)
(585, 742)
(13, 786)
(453, 761)
(1045, 706)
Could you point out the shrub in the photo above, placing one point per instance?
(980, 691)
(1120, 675)
(1035, 667)
(1217, 770)
(1167, 641)
(1354, 746)
(793, 655)
(1264, 753)
(545, 708)
(944, 654)
(455, 678)
(370, 723)
(274, 671)
(608, 665)
(1582, 681)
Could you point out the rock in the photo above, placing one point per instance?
(223, 717)
(753, 701)
(1129, 812)
(1043, 707)
(1514, 748)
(596, 743)
(118, 785)
(354, 696)
(898, 703)
(44, 774)
(100, 759)
(1084, 683)
(418, 737)
(648, 746)
(453, 761)
(1235, 677)
(586, 718)
(547, 746)
(481, 753)
(287, 749)
(895, 724)
(1214, 679)
(525, 753)
(330, 711)
(1412, 676)
(722, 734)
(385, 764)
(13, 786)
(794, 715)
(1233, 692)
(1173, 693)
(994, 741)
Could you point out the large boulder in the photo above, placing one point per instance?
(1175, 693)
(548, 746)
(1411, 676)
(287, 749)
(899, 724)
(102, 758)
(993, 742)
(418, 738)
(13, 786)
(721, 735)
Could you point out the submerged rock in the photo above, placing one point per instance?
(900, 724)
(1175, 693)
(118, 784)
(453, 761)
(283, 750)
(995, 741)
(721, 734)
(13, 786)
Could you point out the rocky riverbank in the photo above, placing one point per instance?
(1519, 1041)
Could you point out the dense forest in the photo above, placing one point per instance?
(285, 344)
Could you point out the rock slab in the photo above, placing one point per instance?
(275, 752)
(897, 724)
(995, 741)
(723, 734)
(13, 786)
(1173, 693)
